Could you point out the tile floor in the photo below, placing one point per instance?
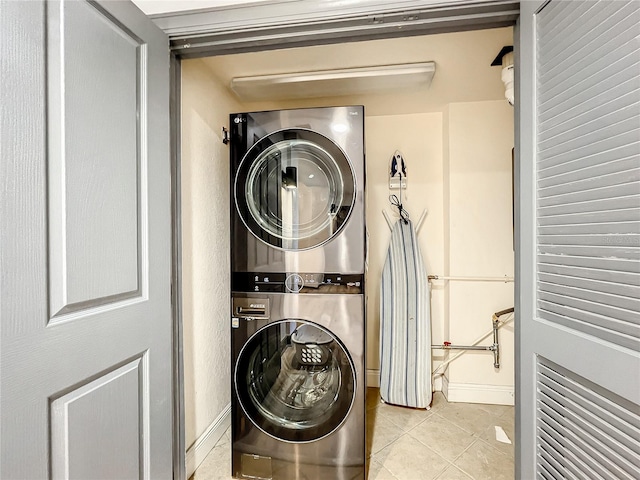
(452, 441)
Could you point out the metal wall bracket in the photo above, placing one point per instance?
(225, 135)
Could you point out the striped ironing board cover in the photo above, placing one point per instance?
(405, 323)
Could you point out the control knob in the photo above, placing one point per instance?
(294, 283)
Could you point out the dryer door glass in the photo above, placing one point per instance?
(295, 381)
(295, 189)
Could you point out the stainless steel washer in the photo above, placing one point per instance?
(298, 393)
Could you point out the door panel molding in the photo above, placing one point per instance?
(123, 395)
(97, 186)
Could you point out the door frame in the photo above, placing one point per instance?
(524, 207)
(177, 357)
(276, 24)
(287, 24)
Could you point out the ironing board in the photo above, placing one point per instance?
(405, 322)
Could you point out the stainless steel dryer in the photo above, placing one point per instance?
(297, 188)
(298, 392)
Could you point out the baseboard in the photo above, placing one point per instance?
(444, 386)
(474, 393)
(197, 452)
(373, 380)
(437, 384)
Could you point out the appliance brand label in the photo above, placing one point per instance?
(257, 305)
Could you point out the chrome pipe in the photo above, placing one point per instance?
(495, 320)
(504, 279)
(464, 347)
(496, 344)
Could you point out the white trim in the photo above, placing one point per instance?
(474, 393)
(197, 452)
(437, 383)
(444, 386)
(373, 378)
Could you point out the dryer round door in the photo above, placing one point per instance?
(295, 189)
(295, 381)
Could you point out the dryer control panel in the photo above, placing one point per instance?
(295, 282)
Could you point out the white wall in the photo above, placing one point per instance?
(480, 234)
(205, 250)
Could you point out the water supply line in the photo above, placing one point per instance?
(504, 279)
(496, 323)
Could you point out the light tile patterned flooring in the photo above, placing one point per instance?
(452, 441)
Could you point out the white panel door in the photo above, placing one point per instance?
(85, 305)
(578, 267)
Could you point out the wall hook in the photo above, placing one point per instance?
(397, 172)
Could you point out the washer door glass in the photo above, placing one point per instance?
(295, 189)
(295, 381)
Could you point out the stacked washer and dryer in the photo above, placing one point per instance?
(298, 322)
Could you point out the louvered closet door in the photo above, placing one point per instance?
(579, 239)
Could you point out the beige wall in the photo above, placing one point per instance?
(419, 138)
(459, 169)
(463, 71)
(480, 234)
(205, 249)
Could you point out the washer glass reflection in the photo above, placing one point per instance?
(295, 381)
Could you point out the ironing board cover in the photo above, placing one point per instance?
(405, 323)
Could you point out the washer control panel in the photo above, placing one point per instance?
(295, 282)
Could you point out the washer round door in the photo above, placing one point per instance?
(295, 189)
(295, 381)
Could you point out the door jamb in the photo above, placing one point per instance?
(177, 362)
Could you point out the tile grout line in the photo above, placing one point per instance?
(494, 448)
(395, 424)
(450, 463)
(476, 440)
(426, 446)
(407, 434)
(466, 429)
(382, 466)
(414, 426)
